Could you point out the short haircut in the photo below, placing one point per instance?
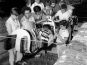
(14, 11)
(37, 9)
(63, 6)
(47, 26)
(64, 23)
(24, 9)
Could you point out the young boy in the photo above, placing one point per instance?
(46, 35)
(64, 13)
(61, 37)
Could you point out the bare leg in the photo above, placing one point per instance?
(11, 56)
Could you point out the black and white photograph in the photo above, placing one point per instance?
(43, 32)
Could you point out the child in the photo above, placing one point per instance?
(61, 37)
(46, 35)
(48, 9)
(64, 13)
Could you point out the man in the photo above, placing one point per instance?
(13, 24)
(46, 36)
(37, 3)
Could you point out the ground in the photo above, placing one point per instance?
(48, 59)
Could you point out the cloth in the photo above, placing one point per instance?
(63, 34)
(47, 36)
(20, 34)
(28, 23)
(12, 25)
(63, 16)
(37, 4)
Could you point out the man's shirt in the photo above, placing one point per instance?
(12, 25)
(63, 16)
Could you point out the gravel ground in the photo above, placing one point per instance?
(48, 59)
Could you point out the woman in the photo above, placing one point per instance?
(27, 21)
(13, 24)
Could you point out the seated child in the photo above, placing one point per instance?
(61, 35)
(46, 35)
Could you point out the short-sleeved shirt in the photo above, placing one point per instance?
(63, 16)
(45, 34)
(36, 4)
(14, 24)
(63, 34)
(27, 23)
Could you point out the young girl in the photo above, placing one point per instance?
(64, 13)
(61, 37)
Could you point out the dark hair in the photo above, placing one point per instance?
(24, 9)
(64, 23)
(37, 9)
(63, 6)
(47, 26)
(14, 11)
(48, 2)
